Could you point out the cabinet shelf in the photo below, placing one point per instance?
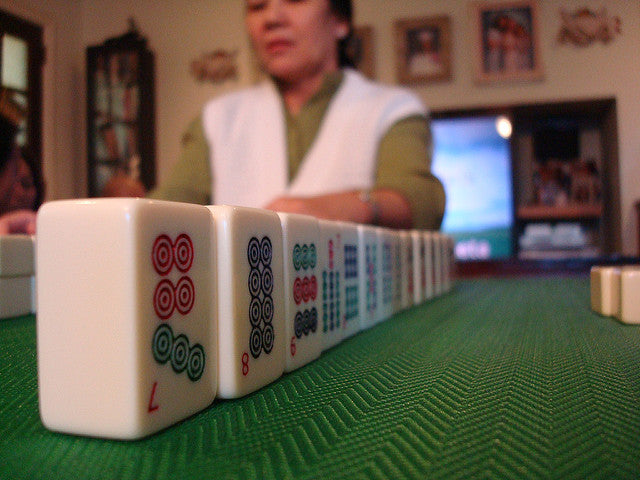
(565, 212)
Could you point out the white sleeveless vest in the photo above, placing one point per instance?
(247, 141)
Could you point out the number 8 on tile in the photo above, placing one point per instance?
(249, 258)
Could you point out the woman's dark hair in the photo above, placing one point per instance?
(8, 131)
(343, 10)
(36, 176)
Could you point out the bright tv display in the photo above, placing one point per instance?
(474, 163)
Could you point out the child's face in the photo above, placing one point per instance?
(17, 189)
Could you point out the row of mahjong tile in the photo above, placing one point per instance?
(148, 310)
(17, 275)
(615, 292)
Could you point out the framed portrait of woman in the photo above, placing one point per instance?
(507, 41)
(423, 49)
(120, 112)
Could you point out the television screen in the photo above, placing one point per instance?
(474, 163)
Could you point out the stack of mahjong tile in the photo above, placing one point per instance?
(149, 310)
(17, 270)
(615, 292)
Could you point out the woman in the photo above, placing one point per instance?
(317, 138)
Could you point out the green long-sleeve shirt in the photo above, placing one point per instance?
(403, 159)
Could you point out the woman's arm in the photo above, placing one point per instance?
(190, 178)
(379, 207)
(404, 166)
(405, 195)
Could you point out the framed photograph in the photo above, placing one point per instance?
(507, 39)
(361, 50)
(423, 49)
(120, 112)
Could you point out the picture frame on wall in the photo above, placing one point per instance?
(361, 50)
(507, 41)
(120, 113)
(423, 49)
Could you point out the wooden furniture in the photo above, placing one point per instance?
(595, 126)
(564, 212)
(120, 111)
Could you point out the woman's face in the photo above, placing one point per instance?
(295, 39)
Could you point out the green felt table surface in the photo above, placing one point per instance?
(501, 378)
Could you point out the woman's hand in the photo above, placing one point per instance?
(122, 185)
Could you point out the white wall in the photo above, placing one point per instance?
(177, 31)
(180, 30)
(571, 73)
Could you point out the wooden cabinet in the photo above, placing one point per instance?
(559, 213)
(120, 112)
(554, 220)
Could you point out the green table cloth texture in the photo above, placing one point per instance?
(501, 378)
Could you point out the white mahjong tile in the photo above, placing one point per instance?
(302, 289)
(331, 254)
(34, 298)
(428, 291)
(396, 268)
(351, 283)
(438, 262)
(630, 294)
(605, 290)
(369, 273)
(406, 251)
(17, 255)
(448, 263)
(15, 296)
(251, 312)
(419, 265)
(126, 322)
(386, 274)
